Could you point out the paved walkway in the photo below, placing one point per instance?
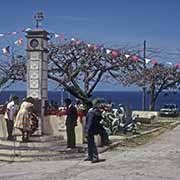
(158, 160)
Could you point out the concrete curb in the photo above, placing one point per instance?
(115, 144)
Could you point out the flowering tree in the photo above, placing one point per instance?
(75, 65)
(79, 67)
(160, 78)
(12, 69)
(156, 77)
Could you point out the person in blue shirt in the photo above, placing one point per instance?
(92, 127)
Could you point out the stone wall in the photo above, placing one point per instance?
(53, 125)
(3, 130)
(145, 114)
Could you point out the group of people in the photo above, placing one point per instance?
(25, 119)
(22, 117)
(92, 127)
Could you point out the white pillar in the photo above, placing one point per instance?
(37, 69)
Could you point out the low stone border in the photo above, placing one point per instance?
(160, 130)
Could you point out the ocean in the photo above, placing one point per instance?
(132, 98)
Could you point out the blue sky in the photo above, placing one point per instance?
(100, 21)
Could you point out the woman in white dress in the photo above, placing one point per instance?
(26, 120)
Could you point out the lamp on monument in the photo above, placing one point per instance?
(39, 16)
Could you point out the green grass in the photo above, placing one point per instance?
(145, 138)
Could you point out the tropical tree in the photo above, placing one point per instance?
(156, 77)
(12, 69)
(78, 67)
(75, 65)
(160, 78)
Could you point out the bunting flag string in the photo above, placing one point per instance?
(18, 42)
(113, 52)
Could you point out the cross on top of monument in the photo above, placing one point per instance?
(39, 16)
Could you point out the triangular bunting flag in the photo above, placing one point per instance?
(61, 37)
(176, 66)
(100, 46)
(135, 58)
(154, 61)
(6, 50)
(78, 42)
(169, 63)
(147, 60)
(19, 42)
(108, 51)
(14, 33)
(89, 45)
(72, 39)
(114, 54)
(127, 56)
(56, 35)
(27, 29)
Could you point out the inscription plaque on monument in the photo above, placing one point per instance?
(34, 75)
(34, 55)
(34, 65)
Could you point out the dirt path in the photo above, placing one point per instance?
(157, 160)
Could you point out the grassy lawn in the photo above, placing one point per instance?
(145, 138)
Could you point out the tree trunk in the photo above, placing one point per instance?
(152, 104)
(153, 97)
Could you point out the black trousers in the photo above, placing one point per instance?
(104, 136)
(92, 149)
(71, 138)
(9, 125)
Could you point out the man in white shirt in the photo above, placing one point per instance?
(10, 114)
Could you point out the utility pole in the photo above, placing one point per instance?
(144, 86)
(62, 96)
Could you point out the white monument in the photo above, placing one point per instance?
(37, 69)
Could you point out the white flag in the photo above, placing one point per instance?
(19, 42)
(27, 29)
(108, 51)
(127, 56)
(56, 35)
(169, 63)
(89, 45)
(72, 39)
(6, 50)
(14, 33)
(147, 60)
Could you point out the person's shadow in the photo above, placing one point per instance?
(98, 161)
